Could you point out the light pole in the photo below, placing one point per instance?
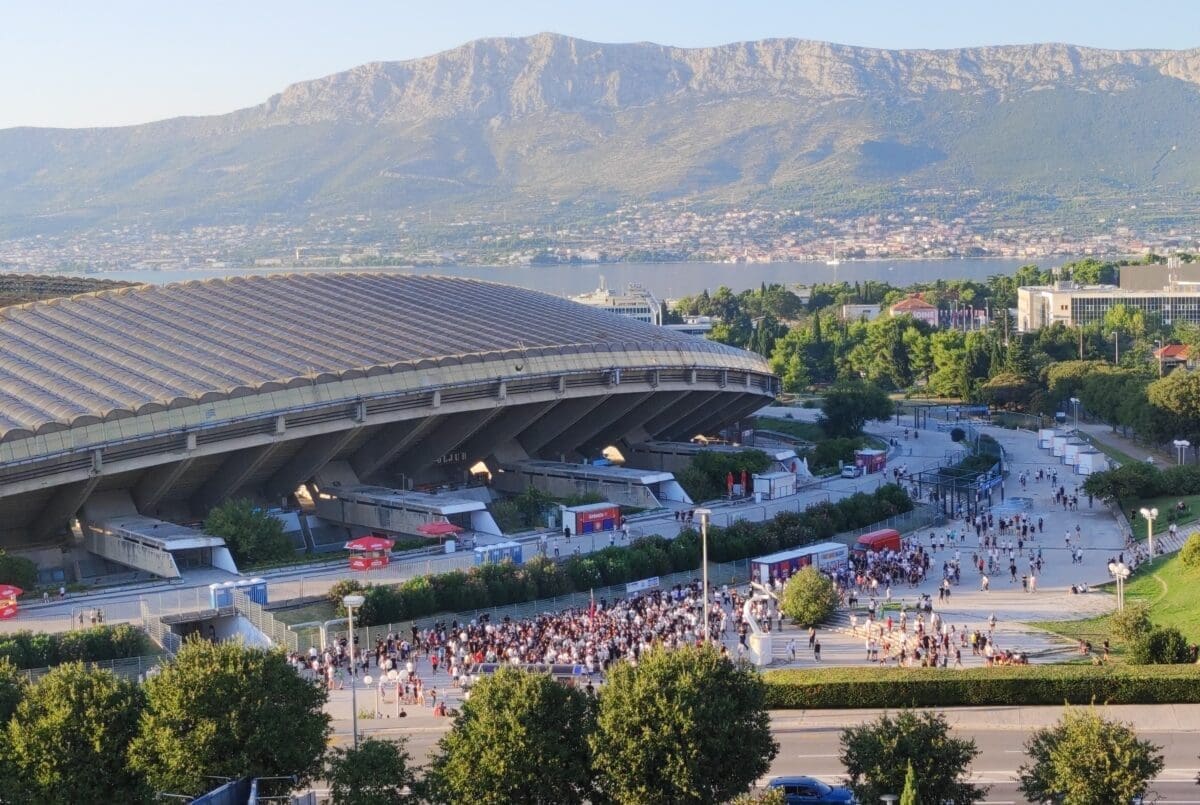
(1159, 352)
(1075, 406)
(1180, 446)
(350, 602)
(1116, 348)
(1120, 572)
(1150, 515)
(704, 514)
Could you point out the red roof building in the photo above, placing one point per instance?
(918, 308)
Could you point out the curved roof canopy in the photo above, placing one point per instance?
(113, 353)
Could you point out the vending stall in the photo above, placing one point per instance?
(826, 556)
(1046, 437)
(774, 485)
(592, 518)
(871, 460)
(369, 552)
(8, 601)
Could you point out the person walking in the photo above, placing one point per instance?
(812, 637)
(983, 583)
(791, 650)
(817, 651)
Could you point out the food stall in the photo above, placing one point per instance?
(369, 552)
(8, 601)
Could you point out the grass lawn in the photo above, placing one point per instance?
(1116, 455)
(1168, 586)
(319, 611)
(1166, 507)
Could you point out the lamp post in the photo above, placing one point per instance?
(1159, 352)
(1120, 572)
(350, 602)
(1180, 446)
(1075, 406)
(704, 514)
(1151, 515)
(1116, 348)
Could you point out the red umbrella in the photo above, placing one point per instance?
(745, 483)
(439, 529)
(9, 591)
(371, 542)
(729, 483)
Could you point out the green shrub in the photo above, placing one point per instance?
(977, 687)
(341, 589)
(42, 649)
(18, 571)
(252, 534)
(957, 434)
(1163, 645)
(1132, 622)
(809, 597)
(1190, 553)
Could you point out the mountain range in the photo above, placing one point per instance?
(528, 127)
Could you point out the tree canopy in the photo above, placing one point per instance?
(378, 772)
(230, 710)
(520, 737)
(847, 407)
(68, 739)
(680, 727)
(809, 597)
(877, 756)
(1087, 760)
(251, 534)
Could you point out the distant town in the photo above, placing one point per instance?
(642, 233)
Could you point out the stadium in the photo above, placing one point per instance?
(139, 408)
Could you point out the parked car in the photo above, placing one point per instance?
(811, 791)
(851, 471)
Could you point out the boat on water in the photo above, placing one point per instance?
(834, 262)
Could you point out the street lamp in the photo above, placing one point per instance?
(1180, 446)
(1150, 515)
(350, 602)
(1075, 406)
(1120, 571)
(704, 514)
(1159, 353)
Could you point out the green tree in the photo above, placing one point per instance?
(1008, 391)
(251, 534)
(848, 406)
(1162, 645)
(18, 571)
(230, 710)
(685, 726)
(521, 737)
(909, 795)
(67, 740)
(378, 772)
(809, 597)
(13, 685)
(1087, 760)
(706, 475)
(1177, 396)
(877, 756)
(1189, 554)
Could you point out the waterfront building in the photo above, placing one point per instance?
(1075, 305)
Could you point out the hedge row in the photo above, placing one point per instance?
(837, 688)
(496, 585)
(42, 649)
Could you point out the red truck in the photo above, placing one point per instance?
(885, 539)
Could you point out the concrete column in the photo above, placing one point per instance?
(156, 482)
(687, 426)
(739, 407)
(62, 506)
(513, 420)
(629, 423)
(449, 435)
(563, 416)
(384, 445)
(675, 413)
(316, 453)
(233, 473)
(588, 427)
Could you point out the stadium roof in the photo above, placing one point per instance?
(110, 354)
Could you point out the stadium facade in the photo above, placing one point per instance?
(176, 397)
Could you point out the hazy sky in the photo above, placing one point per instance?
(107, 62)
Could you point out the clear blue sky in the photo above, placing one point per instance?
(106, 62)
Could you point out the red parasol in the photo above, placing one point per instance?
(729, 483)
(9, 591)
(439, 529)
(370, 542)
(745, 483)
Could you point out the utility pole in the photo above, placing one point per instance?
(1116, 347)
(1080, 343)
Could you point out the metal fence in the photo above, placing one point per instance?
(274, 630)
(134, 668)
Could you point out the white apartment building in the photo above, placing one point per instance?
(636, 303)
(1040, 306)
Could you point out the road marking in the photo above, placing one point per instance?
(812, 756)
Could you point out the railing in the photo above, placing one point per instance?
(134, 668)
(274, 630)
(159, 632)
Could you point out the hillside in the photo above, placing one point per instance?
(519, 126)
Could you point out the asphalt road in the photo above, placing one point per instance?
(814, 750)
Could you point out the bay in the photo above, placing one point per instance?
(664, 280)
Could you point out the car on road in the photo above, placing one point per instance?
(851, 471)
(811, 791)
